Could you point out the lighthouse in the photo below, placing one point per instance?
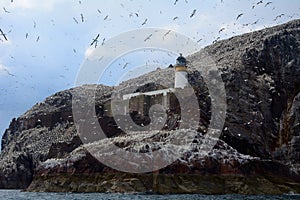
(181, 80)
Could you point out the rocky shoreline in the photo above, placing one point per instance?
(221, 171)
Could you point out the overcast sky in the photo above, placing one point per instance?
(47, 41)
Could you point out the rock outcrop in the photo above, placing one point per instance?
(222, 170)
(31, 137)
(258, 151)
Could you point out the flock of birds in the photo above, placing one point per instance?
(266, 4)
(193, 13)
(95, 41)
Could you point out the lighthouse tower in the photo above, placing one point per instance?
(181, 80)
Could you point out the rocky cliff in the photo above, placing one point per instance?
(258, 151)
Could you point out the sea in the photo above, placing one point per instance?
(18, 195)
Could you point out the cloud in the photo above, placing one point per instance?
(33, 4)
(88, 52)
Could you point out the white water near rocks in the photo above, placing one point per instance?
(18, 195)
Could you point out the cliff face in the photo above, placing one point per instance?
(259, 142)
(27, 141)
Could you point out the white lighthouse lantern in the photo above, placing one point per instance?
(181, 80)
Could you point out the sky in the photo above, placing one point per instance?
(47, 42)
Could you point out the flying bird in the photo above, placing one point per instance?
(278, 16)
(175, 2)
(3, 34)
(9, 72)
(240, 15)
(38, 38)
(103, 42)
(82, 18)
(222, 29)
(216, 40)
(268, 3)
(75, 20)
(106, 17)
(26, 36)
(255, 22)
(95, 41)
(34, 24)
(125, 65)
(193, 13)
(145, 22)
(99, 11)
(259, 2)
(199, 40)
(136, 14)
(175, 18)
(167, 33)
(5, 10)
(148, 37)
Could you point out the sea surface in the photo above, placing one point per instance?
(18, 195)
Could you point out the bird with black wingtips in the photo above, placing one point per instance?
(95, 41)
(222, 29)
(3, 34)
(278, 16)
(6, 70)
(260, 2)
(216, 40)
(167, 33)
(268, 3)
(126, 64)
(75, 20)
(148, 37)
(239, 16)
(82, 18)
(193, 13)
(255, 22)
(5, 10)
(145, 22)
